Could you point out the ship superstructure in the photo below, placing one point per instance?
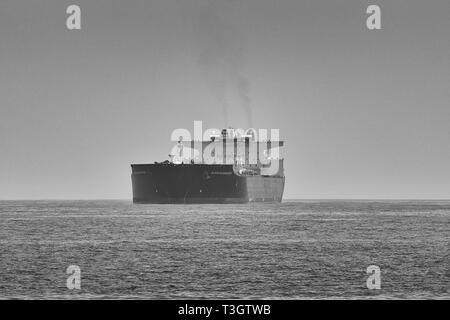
(227, 168)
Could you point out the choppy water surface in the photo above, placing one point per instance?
(301, 249)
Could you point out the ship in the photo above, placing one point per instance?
(227, 168)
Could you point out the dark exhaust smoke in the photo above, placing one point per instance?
(222, 56)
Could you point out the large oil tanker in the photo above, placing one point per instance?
(228, 168)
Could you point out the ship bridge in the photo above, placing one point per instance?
(246, 151)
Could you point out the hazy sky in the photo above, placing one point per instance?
(365, 114)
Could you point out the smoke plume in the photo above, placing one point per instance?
(221, 58)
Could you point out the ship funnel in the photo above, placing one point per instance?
(224, 133)
(247, 149)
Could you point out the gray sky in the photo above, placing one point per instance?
(365, 114)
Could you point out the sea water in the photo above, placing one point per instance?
(293, 250)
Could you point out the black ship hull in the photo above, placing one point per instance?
(202, 183)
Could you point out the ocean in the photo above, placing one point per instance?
(293, 250)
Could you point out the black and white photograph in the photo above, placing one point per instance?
(224, 155)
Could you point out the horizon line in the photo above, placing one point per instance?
(283, 200)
